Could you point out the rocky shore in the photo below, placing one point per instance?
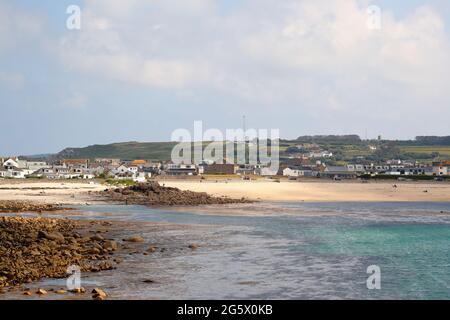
(26, 206)
(153, 194)
(35, 248)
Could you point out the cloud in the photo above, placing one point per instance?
(314, 62)
(293, 52)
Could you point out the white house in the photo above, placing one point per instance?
(440, 170)
(321, 154)
(11, 169)
(296, 172)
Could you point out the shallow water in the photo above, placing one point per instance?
(284, 251)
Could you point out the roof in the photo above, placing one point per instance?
(138, 162)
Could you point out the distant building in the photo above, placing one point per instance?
(297, 172)
(321, 154)
(219, 169)
(84, 163)
(339, 172)
(179, 170)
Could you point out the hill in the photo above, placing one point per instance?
(125, 150)
(344, 148)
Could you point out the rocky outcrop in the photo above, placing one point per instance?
(153, 194)
(35, 248)
(8, 206)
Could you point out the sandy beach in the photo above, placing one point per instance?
(326, 191)
(76, 193)
(52, 192)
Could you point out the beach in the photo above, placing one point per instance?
(76, 193)
(320, 191)
(50, 192)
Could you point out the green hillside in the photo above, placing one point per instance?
(124, 150)
(344, 148)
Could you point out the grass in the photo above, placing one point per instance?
(443, 150)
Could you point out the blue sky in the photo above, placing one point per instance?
(140, 70)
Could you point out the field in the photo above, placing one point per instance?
(444, 151)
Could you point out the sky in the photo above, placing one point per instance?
(140, 69)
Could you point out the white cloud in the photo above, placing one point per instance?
(282, 55)
(311, 57)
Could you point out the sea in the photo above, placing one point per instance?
(282, 250)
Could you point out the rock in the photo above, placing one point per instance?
(193, 246)
(148, 281)
(27, 293)
(153, 194)
(60, 291)
(135, 239)
(98, 294)
(52, 236)
(110, 245)
(32, 248)
(152, 249)
(78, 290)
(41, 292)
(97, 237)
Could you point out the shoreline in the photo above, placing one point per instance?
(321, 191)
(81, 193)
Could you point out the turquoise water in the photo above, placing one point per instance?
(289, 251)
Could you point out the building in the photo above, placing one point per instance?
(321, 154)
(179, 169)
(138, 163)
(246, 169)
(218, 169)
(298, 172)
(338, 172)
(83, 163)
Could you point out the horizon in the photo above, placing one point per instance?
(142, 69)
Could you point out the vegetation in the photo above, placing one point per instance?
(348, 148)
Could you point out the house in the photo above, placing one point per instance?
(220, 169)
(83, 163)
(179, 169)
(107, 162)
(297, 172)
(267, 171)
(11, 164)
(440, 170)
(338, 172)
(321, 154)
(407, 171)
(11, 169)
(246, 169)
(138, 163)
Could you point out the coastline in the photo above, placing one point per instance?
(81, 193)
(321, 191)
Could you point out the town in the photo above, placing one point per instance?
(292, 168)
